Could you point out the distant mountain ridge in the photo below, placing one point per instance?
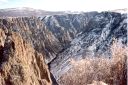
(125, 10)
(26, 12)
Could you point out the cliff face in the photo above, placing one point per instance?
(20, 64)
(62, 37)
(34, 32)
(92, 35)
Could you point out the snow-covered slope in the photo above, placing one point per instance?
(88, 34)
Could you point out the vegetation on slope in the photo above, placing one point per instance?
(112, 71)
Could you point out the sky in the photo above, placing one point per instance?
(66, 5)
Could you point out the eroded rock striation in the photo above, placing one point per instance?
(34, 32)
(20, 64)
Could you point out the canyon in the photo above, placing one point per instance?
(32, 47)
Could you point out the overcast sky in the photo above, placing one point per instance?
(66, 5)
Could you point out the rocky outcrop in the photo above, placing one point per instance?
(20, 64)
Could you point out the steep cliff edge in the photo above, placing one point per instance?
(20, 64)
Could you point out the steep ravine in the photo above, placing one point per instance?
(93, 34)
(62, 37)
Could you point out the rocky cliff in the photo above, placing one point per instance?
(34, 32)
(20, 64)
(62, 37)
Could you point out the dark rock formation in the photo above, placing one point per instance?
(92, 34)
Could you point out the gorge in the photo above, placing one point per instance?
(27, 44)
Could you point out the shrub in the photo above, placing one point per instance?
(112, 71)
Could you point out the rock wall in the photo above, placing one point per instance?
(34, 32)
(20, 64)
